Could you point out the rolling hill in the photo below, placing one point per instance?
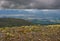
(7, 22)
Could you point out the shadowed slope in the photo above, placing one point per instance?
(13, 22)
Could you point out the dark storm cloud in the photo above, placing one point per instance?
(29, 4)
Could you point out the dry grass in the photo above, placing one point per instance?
(31, 33)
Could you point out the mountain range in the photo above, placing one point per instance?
(33, 15)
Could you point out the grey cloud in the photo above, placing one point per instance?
(29, 4)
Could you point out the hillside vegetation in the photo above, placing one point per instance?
(31, 33)
(9, 22)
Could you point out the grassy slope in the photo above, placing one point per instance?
(4, 22)
(31, 33)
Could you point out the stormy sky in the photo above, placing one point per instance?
(29, 4)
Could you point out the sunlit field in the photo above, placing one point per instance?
(31, 33)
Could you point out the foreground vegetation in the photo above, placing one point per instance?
(30, 33)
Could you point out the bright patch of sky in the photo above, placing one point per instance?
(26, 12)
